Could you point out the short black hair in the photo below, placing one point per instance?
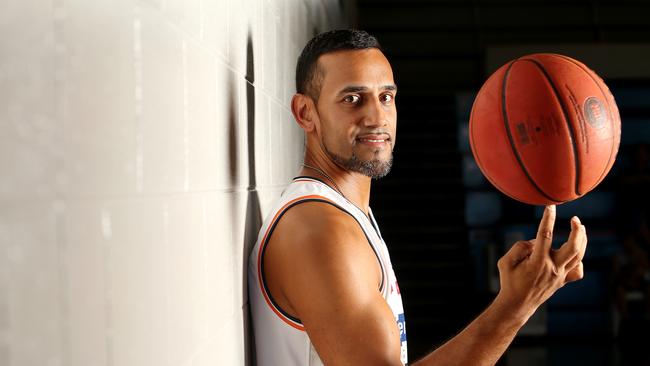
(308, 77)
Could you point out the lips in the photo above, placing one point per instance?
(374, 138)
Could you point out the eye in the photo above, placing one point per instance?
(351, 99)
(386, 98)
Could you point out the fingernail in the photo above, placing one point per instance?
(551, 208)
(576, 220)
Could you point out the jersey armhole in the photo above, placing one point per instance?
(286, 317)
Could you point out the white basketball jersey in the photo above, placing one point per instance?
(280, 339)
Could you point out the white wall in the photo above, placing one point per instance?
(125, 207)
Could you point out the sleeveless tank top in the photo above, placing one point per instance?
(280, 339)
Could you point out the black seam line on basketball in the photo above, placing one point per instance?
(572, 133)
(611, 116)
(511, 140)
(480, 165)
(478, 159)
(475, 153)
(275, 223)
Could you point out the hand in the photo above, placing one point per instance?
(531, 271)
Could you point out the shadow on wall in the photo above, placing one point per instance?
(253, 211)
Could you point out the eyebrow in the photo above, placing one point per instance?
(360, 89)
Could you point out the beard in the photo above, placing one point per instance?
(374, 169)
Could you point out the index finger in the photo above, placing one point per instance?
(544, 239)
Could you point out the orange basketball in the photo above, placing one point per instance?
(544, 129)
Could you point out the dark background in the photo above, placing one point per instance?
(446, 226)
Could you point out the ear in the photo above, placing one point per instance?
(304, 111)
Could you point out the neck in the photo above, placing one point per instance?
(355, 187)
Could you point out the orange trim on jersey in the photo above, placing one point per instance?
(259, 259)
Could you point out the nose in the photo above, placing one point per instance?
(376, 114)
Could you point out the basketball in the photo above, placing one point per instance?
(544, 129)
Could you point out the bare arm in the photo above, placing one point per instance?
(333, 289)
(330, 278)
(529, 273)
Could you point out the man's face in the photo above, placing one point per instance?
(356, 109)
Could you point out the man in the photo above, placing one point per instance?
(321, 285)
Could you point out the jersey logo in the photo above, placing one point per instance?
(401, 324)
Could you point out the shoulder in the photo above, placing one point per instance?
(319, 227)
(325, 245)
(322, 270)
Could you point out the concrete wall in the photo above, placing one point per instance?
(141, 142)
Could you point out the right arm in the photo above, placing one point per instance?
(529, 274)
(322, 268)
